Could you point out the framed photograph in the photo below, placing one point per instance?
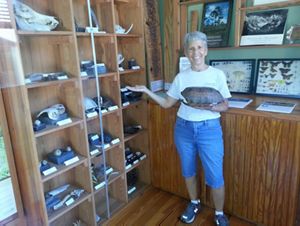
(264, 28)
(216, 22)
(239, 74)
(278, 77)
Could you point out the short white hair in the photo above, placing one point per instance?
(194, 36)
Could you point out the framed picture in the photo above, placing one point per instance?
(216, 22)
(239, 74)
(264, 28)
(278, 77)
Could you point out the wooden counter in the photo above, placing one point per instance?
(261, 163)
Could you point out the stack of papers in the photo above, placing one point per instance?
(238, 102)
(276, 107)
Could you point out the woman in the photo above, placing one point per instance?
(198, 130)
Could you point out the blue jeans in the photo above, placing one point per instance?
(204, 138)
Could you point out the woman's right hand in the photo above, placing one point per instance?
(137, 88)
(162, 101)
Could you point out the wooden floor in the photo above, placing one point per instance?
(156, 207)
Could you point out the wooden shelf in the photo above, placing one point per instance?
(103, 115)
(130, 71)
(115, 205)
(97, 34)
(132, 104)
(121, 1)
(128, 36)
(51, 83)
(140, 188)
(60, 212)
(109, 74)
(112, 146)
(136, 165)
(44, 33)
(62, 168)
(52, 129)
(111, 179)
(132, 136)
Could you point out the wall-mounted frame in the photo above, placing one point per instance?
(216, 21)
(239, 73)
(278, 77)
(264, 27)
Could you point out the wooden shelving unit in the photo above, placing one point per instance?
(62, 50)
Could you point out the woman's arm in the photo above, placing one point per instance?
(164, 102)
(223, 106)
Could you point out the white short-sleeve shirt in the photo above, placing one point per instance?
(211, 77)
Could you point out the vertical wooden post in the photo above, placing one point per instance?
(153, 41)
(172, 39)
(194, 20)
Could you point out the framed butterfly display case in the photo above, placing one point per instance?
(278, 77)
(239, 74)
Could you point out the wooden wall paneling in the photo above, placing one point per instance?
(251, 151)
(163, 155)
(238, 164)
(259, 169)
(283, 176)
(229, 137)
(272, 164)
(153, 41)
(294, 176)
